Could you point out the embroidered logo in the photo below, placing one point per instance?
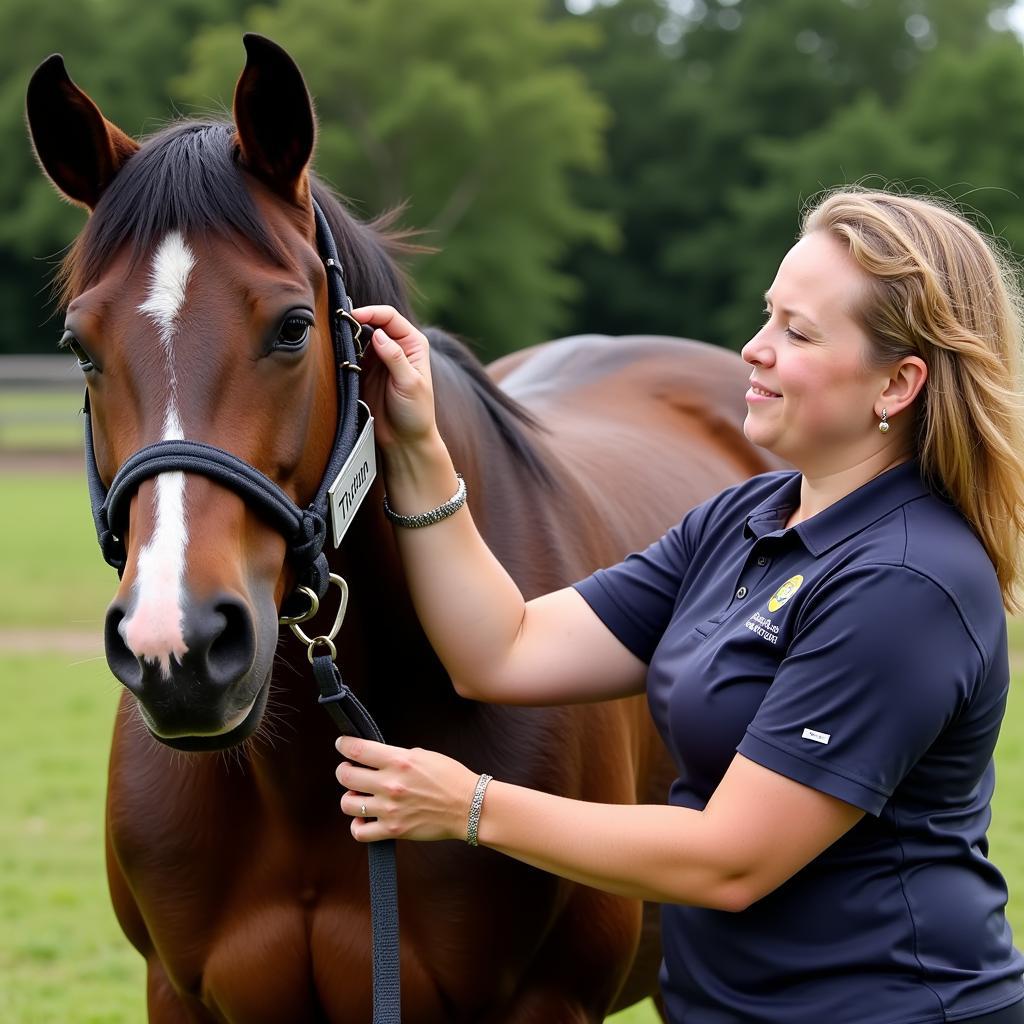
(784, 593)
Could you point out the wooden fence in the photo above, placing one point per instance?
(40, 404)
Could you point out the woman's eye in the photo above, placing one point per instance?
(294, 332)
(69, 343)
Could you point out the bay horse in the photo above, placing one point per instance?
(196, 304)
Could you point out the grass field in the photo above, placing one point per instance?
(34, 420)
(62, 956)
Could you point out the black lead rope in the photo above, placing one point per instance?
(352, 719)
(305, 530)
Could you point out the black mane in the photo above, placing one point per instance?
(187, 178)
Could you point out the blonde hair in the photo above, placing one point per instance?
(942, 291)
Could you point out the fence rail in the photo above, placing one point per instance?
(39, 373)
(40, 404)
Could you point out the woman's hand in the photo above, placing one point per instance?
(407, 794)
(408, 414)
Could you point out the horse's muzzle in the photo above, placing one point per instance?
(200, 684)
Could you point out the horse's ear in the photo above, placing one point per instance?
(274, 116)
(78, 148)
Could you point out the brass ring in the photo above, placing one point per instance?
(338, 619)
(327, 641)
(314, 607)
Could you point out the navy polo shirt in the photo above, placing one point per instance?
(863, 653)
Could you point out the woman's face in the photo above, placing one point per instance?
(813, 400)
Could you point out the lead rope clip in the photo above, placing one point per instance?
(293, 622)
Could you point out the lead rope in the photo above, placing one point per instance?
(352, 719)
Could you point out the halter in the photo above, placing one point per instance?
(305, 531)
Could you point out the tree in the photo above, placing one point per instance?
(123, 55)
(707, 100)
(466, 111)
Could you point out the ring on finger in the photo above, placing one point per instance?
(362, 810)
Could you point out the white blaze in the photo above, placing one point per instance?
(168, 279)
(155, 628)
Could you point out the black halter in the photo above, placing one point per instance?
(305, 529)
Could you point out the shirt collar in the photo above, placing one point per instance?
(848, 516)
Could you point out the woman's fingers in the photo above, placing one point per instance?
(405, 375)
(412, 794)
(359, 805)
(361, 780)
(405, 353)
(411, 341)
(368, 752)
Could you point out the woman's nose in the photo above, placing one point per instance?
(757, 351)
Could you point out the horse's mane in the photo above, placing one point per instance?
(186, 177)
(508, 416)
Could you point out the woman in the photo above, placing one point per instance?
(823, 651)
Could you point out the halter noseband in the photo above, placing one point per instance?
(304, 529)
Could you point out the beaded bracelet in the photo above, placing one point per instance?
(475, 808)
(435, 515)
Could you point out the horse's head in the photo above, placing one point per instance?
(198, 309)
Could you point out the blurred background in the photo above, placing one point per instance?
(586, 165)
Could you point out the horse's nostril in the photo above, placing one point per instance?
(225, 640)
(122, 661)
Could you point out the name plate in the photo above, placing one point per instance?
(352, 484)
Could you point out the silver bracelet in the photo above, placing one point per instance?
(435, 515)
(475, 808)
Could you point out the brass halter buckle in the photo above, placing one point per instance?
(292, 622)
(357, 331)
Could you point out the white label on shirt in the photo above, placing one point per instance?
(818, 737)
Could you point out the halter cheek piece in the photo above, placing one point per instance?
(305, 530)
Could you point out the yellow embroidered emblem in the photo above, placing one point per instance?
(784, 593)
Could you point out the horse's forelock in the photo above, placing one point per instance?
(184, 178)
(187, 178)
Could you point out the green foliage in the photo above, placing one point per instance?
(466, 111)
(726, 120)
(641, 166)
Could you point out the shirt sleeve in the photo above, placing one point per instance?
(635, 598)
(880, 663)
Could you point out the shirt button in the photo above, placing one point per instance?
(741, 593)
(763, 560)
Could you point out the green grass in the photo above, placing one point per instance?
(51, 571)
(37, 420)
(62, 956)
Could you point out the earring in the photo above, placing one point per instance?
(884, 425)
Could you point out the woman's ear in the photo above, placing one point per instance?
(274, 117)
(77, 147)
(905, 382)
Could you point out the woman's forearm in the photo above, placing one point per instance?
(650, 852)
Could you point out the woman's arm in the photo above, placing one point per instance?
(495, 646)
(758, 829)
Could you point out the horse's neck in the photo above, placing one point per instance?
(383, 653)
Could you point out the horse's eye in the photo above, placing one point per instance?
(294, 332)
(69, 343)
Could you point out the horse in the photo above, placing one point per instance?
(197, 307)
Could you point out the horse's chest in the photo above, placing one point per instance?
(285, 959)
(261, 926)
